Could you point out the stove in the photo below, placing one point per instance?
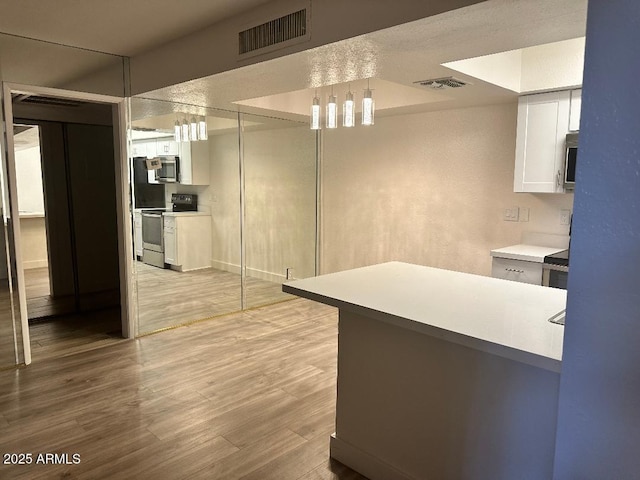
(555, 270)
(560, 258)
(184, 202)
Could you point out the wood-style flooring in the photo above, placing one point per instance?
(39, 301)
(249, 395)
(168, 298)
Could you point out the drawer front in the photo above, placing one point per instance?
(517, 270)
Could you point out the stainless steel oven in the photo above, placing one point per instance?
(555, 270)
(152, 238)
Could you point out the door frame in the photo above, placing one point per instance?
(125, 248)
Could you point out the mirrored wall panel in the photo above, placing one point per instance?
(223, 207)
(279, 159)
(186, 220)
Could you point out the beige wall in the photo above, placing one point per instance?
(34, 242)
(280, 208)
(427, 188)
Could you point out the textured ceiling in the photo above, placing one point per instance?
(399, 56)
(393, 58)
(120, 27)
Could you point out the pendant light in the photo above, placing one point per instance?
(349, 111)
(368, 107)
(193, 130)
(202, 129)
(315, 113)
(177, 129)
(185, 130)
(332, 111)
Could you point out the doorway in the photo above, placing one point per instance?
(72, 271)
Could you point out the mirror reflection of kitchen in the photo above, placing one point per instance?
(192, 246)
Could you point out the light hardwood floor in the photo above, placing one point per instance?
(167, 298)
(249, 395)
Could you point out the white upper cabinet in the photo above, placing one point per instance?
(194, 163)
(167, 148)
(574, 111)
(543, 123)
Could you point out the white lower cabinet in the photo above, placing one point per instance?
(170, 256)
(137, 234)
(517, 270)
(187, 241)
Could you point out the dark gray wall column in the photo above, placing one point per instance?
(599, 419)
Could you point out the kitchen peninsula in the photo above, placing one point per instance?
(442, 374)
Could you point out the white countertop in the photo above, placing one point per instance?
(529, 253)
(505, 318)
(186, 214)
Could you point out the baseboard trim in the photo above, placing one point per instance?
(363, 462)
(29, 264)
(251, 272)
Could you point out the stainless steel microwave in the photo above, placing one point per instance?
(169, 171)
(571, 158)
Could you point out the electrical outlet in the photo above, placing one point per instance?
(565, 217)
(289, 273)
(523, 214)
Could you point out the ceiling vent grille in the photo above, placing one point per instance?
(442, 83)
(287, 27)
(40, 100)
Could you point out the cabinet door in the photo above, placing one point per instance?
(152, 149)
(139, 150)
(543, 123)
(167, 147)
(170, 244)
(137, 239)
(574, 112)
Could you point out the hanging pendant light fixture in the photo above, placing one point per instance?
(349, 111)
(203, 134)
(177, 129)
(315, 113)
(332, 111)
(368, 107)
(193, 130)
(185, 131)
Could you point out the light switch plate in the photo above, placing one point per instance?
(523, 213)
(511, 214)
(565, 217)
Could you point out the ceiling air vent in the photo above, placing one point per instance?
(442, 83)
(274, 32)
(40, 100)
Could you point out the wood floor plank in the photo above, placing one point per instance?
(249, 394)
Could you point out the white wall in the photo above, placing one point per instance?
(29, 180)
(429, 189)
(280, 202)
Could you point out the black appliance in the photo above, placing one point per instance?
(184, 202)
(555, 270)
(145, 194)
(571, 160)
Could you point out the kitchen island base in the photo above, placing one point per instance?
(420, 407)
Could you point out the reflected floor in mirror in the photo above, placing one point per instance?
(167, 298)
(248, 395)
(7, 349)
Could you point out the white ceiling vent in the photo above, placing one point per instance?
(274, 33)
(442, 83)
